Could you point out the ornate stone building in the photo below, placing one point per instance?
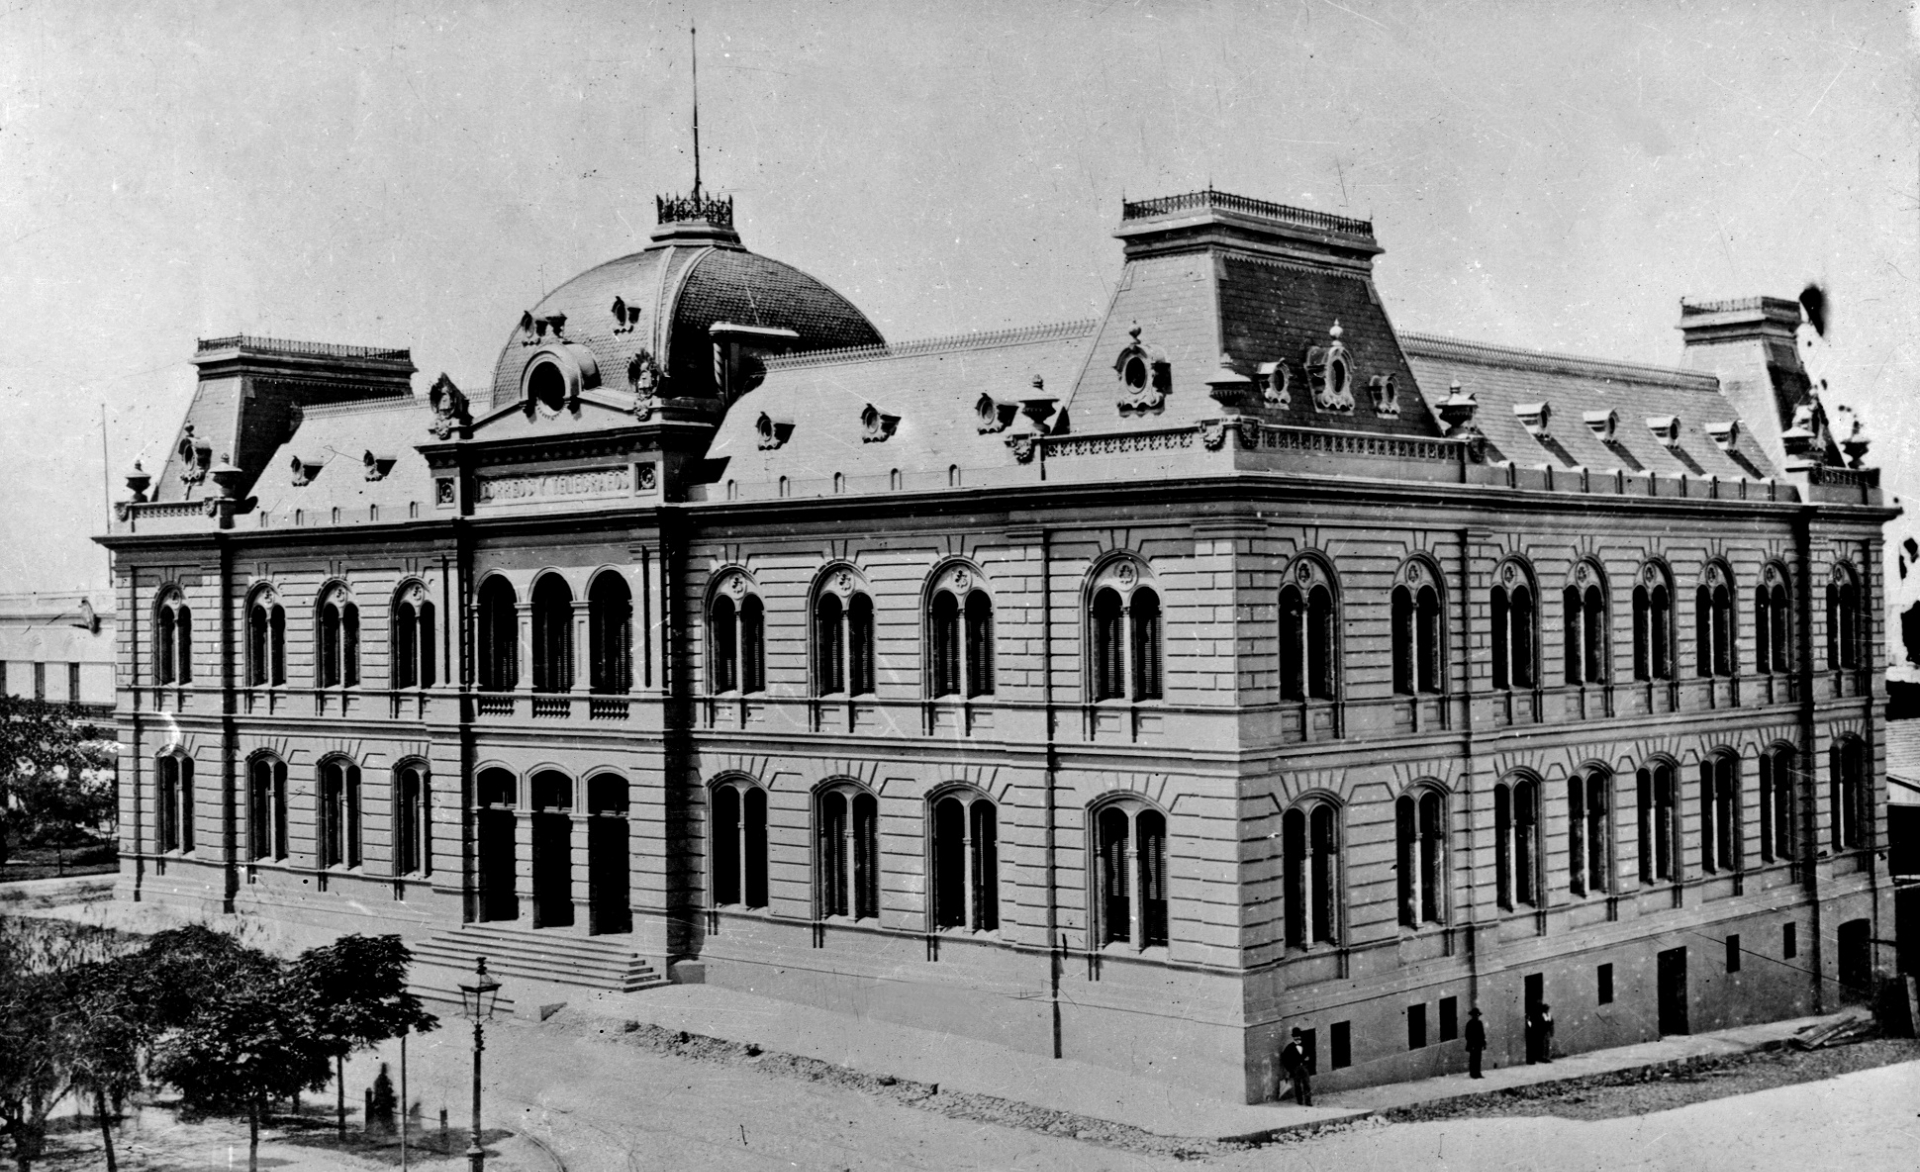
(1129, 690)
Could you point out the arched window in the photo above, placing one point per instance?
(412, 825)
(739, 839)
(1713, 621)
(552, 634)
(966, 862)
(1589, 833)
(1419, 645)
(413, 637)
(609, 634)
(266, 808)
(1659, 823)
(1310, 864)
(1843, 619)
(1420, 818)
(1585, 606)
(961, 616)
(339, 813)
(1516, 821)
(1773, 644)
(1125, 620)
(1515, 627)
(1848, 794)
(1720, 813)
(1652, 625)
(1309, 636)
(172, 639)
(266, 640)
(1130, 878)
(842, 636)
(337, 661)
(174, 816)
(736, 634)
(847, 820)
(1779, 804)
(499, 636)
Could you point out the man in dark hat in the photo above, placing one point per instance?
(1476, 1042)
(1293, 1064)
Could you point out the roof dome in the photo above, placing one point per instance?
(658, 313)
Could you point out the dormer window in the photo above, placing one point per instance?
(547, 387)
(1330, 374)
(876, 425)
(1145, 376)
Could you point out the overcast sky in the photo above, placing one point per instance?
(1552, 176)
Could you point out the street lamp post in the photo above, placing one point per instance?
(477, 1000)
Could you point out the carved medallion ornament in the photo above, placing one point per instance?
(1770, 575)
(1582, 573)
(1841, 574)
(1125, 574)
(443, 491)
(1144, 375)
(1330, 374)
(1414, 574)
(1308, 573)
(450, 411)
(734, 585)
(1650, 575)
(1509, 574)
(1713, 574)
(647, 478)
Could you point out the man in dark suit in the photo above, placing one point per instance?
(1476, 1042)
(1293, 1064)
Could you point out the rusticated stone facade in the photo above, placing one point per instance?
(1130, 690)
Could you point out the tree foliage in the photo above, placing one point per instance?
(57, 771)
(52, 1040)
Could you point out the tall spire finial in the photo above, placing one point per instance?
(693, 35)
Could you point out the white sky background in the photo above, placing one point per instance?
(1553, 176)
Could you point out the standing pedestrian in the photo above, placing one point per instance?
(1476, 1042)
(1532, 1031)
(1294, 1064)
(1546, 1033)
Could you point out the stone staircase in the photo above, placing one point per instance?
(554, 958)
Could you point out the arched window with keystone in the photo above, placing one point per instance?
(842, 644)
(337, 651)
(1588, 653)
(1714, 626)
(1419, 630)
(266, 638)
(1653, 623)
(413, 636)
(960, 629)
(1129, 888)
(1516, 625)
(172, 638)
(1772, 621)
(1309, 632)
(1126, 621)
(736, 637)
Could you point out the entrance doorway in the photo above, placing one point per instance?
(1672, 979)
(552, 851)
(608, 909)
(1856, 960)
(494, 862)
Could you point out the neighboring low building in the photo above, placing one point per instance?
(58, 647)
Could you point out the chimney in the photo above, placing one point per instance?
(1750, 344)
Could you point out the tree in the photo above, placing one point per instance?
(356, 990)
(50, 1038)
(251, 1042)
(56, 770)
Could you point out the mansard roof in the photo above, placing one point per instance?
(1660, 419)
(913, 408)
(354, 457)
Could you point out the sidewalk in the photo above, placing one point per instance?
(961, 1064)
(1675, 1048)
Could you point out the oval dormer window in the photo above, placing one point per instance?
(547, 387)
(1337, 378)
(1136, 373)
